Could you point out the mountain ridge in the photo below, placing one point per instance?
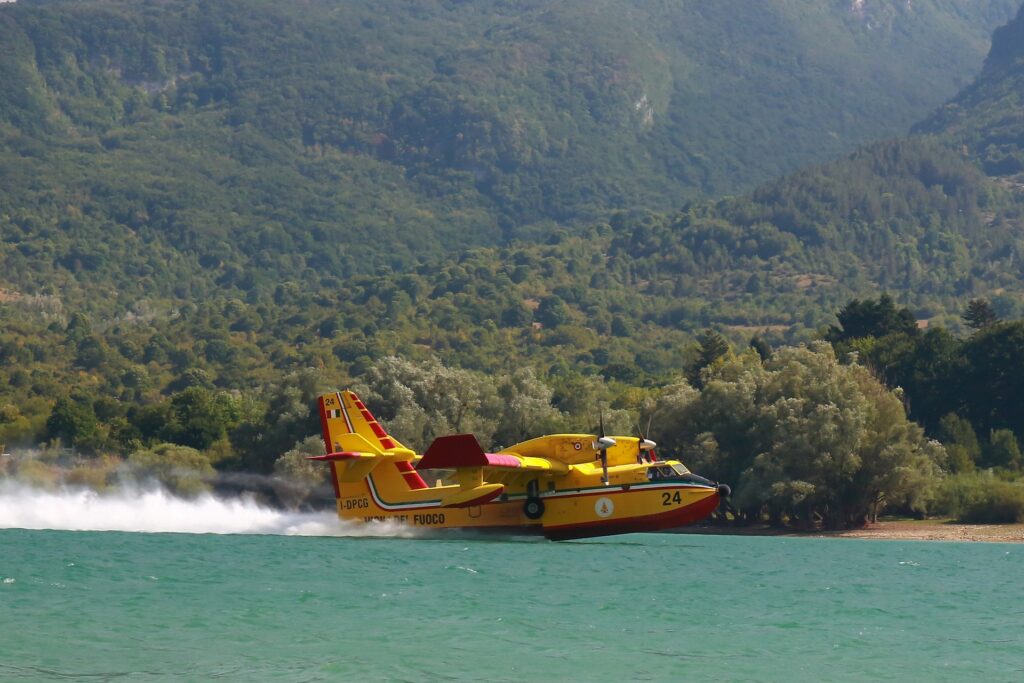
(367, 135)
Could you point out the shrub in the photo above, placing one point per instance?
(982, 499)
(183, 470)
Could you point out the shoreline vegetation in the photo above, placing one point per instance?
(948, 530)
(808, 436)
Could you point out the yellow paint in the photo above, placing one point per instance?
(566, 468)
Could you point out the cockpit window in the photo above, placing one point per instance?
(680, 469)
(664, 472)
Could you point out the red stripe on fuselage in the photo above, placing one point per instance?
(323, 426)
(344, 412)
(412, 477)
(334, 480)
(414, 480)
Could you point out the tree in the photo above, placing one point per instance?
(183, 470)
(302, 479)
(552, 311)
(516, 315)
(288, 416)
(71, 422)
(527, 409)
(763, 348)
(961, 442)
(993, 378)
(622, 326)
(871, 318)
(421, 401)
(979, 314)
(711, 346)
(202, 416)
(802, 438)
(1003, 450)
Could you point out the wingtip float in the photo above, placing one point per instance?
(562, 485)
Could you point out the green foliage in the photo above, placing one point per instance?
(71, 422)
(961, 442)
(869, 318)
(421, 402)
(957, 388)
(979, 314)
(299, 479)
(711, 348)
(986, 119)
(239, 139)
(803, 438)
(288, 416)
(201, 417)
(552, 312)
(1003, 450)
(982, 499)
(761, 346)
(994, 377)
(181, 470)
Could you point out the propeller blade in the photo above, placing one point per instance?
(639, 444)
(603, 441)
(643, 443)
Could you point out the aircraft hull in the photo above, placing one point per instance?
(572, 513)
(657, 521)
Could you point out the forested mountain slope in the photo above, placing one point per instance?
(149, 149)
(619, 297)
(987, 118)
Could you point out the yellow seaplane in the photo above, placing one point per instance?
(562, 485)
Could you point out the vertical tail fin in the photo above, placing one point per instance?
(342, 415)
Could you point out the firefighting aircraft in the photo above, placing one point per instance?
(562, 485)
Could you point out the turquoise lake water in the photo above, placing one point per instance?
(88, 605)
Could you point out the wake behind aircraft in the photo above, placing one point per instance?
(562, 485)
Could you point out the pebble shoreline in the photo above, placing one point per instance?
(928, 530)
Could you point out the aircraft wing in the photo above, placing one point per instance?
(462, 453)
(463, 450)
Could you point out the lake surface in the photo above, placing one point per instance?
(102, 605)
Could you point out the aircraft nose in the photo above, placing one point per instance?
(724, 491)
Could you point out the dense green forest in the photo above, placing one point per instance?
(199, 235)
(177, 137)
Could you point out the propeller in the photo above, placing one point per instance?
(644, 444)
(602, 444)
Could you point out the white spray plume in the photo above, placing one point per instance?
(156, 510)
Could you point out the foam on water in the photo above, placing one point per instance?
(156, 510)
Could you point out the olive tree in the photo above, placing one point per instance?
(802, 438)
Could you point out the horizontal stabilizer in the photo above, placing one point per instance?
(355, 443)
(477, 495)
